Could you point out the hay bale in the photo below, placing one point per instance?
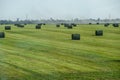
(75, 36)
(38, 26)
(66, 25)
(15, 24)
(7, 27)
(97, 23)
(57, 25)
(106, 24)
(69, 26)
(90, 23)
(73, 24)
(2, 35)
(25, 24)
(115, 25)
(19, 25)
(44, 24)
(99, 32)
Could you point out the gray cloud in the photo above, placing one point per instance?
(59, 9)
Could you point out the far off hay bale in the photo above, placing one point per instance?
(90, 23)
(7, 27)
(38, 27)
(106, 24)
(66, 25)
(75, 36)
(62, 23)
(73, 24)
(2, 35)
(97, 23)
(115, 25)
(25, 23)
(57, 25)
(99, 32)
(69, 26)
(19, 25)
(44, 24)
(15, 24)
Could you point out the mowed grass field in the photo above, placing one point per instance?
(50, 54)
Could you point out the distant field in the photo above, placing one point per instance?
(50, 54)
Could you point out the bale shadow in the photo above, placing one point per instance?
(115, 60)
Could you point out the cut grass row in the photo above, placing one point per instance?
(50, 54)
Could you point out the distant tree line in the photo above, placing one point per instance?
(53, 21)
(15, 22)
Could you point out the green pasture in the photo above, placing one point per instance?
(50, 54)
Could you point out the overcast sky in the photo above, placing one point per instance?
(59, 9)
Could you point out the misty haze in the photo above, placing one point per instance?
(59, 39)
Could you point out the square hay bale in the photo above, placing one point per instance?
(115, 25)
(7, 27)
(106, 24)
(75, 36)
(38, 27)
(2, 35)
(99, 32)
(57, 25)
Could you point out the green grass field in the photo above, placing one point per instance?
(50, 54)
